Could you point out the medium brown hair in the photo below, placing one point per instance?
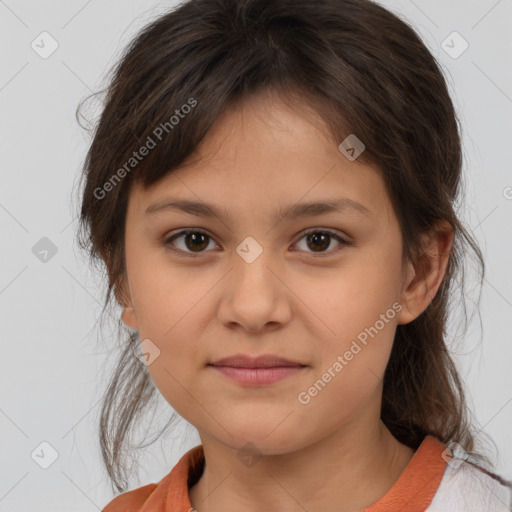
(366, 72)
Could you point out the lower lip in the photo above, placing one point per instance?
(258, 376)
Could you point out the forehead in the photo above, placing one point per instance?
(262, 154)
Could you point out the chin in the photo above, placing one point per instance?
(267, 440)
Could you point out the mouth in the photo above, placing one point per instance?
(263, 361)
(257, 371)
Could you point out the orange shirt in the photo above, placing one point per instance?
(427, 476)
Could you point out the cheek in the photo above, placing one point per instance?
(354, 362)
(350, 374)
(173, 383)
(352, 299)
(360, 293)
(175, 370)
(358, 310)
(166, 297)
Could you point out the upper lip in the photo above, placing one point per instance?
(263, 361)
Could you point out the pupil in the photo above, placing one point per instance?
(315, 238)
(195, 237)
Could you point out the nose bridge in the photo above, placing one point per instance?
(253, 296)
(252, 261)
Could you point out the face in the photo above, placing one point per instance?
(323, 290)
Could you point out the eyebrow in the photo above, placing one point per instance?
(312, 209)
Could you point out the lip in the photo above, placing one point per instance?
(257, 371)
(263, 361)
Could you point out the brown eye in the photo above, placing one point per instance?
(194, 241)
(318, 241)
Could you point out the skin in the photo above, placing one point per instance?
(333, 453)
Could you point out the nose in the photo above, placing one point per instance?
(254, 296)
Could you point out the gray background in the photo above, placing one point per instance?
(55, 360)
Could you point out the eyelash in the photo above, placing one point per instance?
(168, 241)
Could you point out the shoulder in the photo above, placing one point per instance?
(130, 501)
(466, 486)
(170, 493)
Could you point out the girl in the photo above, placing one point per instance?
(271, 187)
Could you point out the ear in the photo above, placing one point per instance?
(122, 294)
(128, 315)
(425, 276)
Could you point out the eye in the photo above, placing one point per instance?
(195, 241)
(321, 239)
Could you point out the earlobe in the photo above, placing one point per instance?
(406, 315)
(426, 276)
(129, 317)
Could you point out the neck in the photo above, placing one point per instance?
(348, 470)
